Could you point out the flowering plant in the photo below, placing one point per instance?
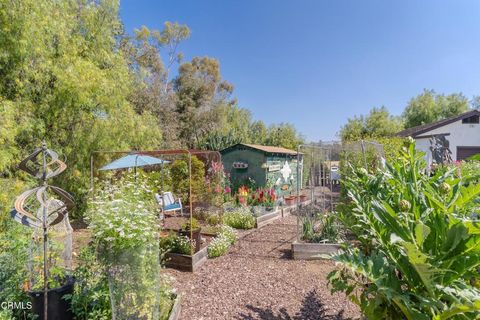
(263, 197)
(122, 215)
(220, 244)
(218, 184)
(177, 244)
(241, 197)
(240, 218)
(124, 228)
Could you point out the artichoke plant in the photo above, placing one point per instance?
(418, 255)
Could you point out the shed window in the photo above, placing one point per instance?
(472, 119)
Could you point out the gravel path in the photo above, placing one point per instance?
(258, 280)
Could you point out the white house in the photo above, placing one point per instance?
(462, 134)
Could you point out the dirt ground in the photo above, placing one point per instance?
(257, 279)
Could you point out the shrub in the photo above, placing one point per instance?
(167, 296)
(469, 171)
(91, 298)
(177, 244)
(241, 218)
(418, 255)
(229, 233)
(14, 244)
(122, 215)
(200, 213)
(191, 224)
(214, 219)
(181, 179)
(391, 146)
(219, 246)
(322, 228)
(125, 232)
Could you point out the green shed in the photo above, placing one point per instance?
(271, 167)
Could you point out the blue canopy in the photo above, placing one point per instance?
(133, 161)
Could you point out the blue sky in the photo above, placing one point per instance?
(315, 63)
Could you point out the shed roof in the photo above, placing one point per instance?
(415, 131)
(266, 149)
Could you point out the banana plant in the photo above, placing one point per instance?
(419, 251)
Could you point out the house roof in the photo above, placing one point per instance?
(267, 149)
(415, 131)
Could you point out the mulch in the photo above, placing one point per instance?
(257, 279)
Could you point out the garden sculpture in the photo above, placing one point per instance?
(43, 206)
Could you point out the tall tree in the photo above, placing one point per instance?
(258, 132)
(378, 123)
(200, 90)
(153, 91)
(429, 107)
(65, 82)
(283, 135)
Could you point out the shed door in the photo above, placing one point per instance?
(465, 152)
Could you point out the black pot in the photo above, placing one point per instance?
(196, 236)
(58, 308)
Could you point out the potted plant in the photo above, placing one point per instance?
(59, 283)
(289, 200)
(191, 229)
(58, 306)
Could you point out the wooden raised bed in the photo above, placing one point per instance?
(268, 218)
(186, 262)
(176, 309)
(313, 251)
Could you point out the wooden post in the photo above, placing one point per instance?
(190, 199)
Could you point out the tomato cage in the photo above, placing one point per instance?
(315, 188)
(188, 188)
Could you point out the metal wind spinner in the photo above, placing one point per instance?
(29, 208)
(44, 206)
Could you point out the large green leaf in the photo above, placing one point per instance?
(456, 235)
(465, 196)
(421, 233)
(419, 262)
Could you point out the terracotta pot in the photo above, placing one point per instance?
(290, 200)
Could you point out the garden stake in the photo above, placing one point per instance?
(45, 235)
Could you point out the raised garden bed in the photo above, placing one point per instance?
(313, 251)
(186, 262)
(268, 218)
(176, 309)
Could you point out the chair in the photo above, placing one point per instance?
(168, 203)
